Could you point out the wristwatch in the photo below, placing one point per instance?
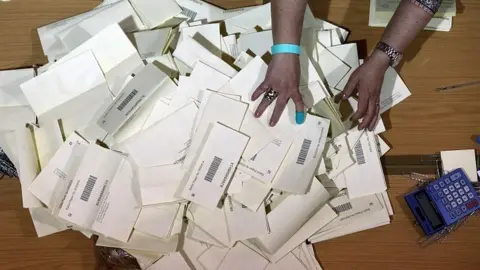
(395, 57)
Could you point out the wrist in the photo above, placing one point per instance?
(380, 59)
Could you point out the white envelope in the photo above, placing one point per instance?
(366, 176)
(258, 42)
(348, 53)
(151, 43)
(247, 21)
(289, 216)
(329, 65)
(193, 249)
(230, 46)
(28, 167)
(160, 190)
(10, 92)
(201, 10)
(115, 54)
(206, 77)
(212, 258)
(142, 242)
(211, 222)
(213, 167)
(253, 194)
(211, 33)
(67, 88)
(48, 139)
(121, 12)
(153, 13)
(16, 117)
(303, 157)
(393, 91)
(242, 59)
(45, 223)
(165, 142)
(171, 261)
(157, 221)
(238, 215)
(287, 263)
(190, 52)
(242, 257)
(144, 258)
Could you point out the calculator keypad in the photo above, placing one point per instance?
(449, 197)
(455, 195)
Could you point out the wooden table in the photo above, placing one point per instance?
(425, 123)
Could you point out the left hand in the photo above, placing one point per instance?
(367, 80)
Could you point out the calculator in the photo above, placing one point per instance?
(443, 202)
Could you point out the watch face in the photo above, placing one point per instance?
(397, 60)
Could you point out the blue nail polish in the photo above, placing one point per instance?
(300, 117)
(478, 139)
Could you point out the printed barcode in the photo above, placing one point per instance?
(359, 153)
(127, 100)
(343, 207)
(304, 151)
(189, 13)
(213, 169)
(88, 188)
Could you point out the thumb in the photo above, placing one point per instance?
(299, 107)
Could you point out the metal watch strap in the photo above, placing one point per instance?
(389, 51)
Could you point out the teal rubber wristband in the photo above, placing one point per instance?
(285, 48)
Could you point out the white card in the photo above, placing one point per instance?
(288, 262)
(206, 77)
(211, 222)
(48, 139)
(142, 242)
(393, 91)
(164, 143)
(171, 261)
(212, 258)
(242, 257)
(193, 249)
(157, 221)
(211, 33)
(153, 13)
(10, 92)
(237, 215)
(67, 88)
(253, 194)
(464, 159)
(242, 59)
(214, 166)
(45, 223)
(151, 43)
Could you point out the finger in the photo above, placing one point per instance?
(264, 86)
(280, 105)
(375, 119)
(367, 120)
(299, 107)
(362, 106)
(350, 88)
(262, 107)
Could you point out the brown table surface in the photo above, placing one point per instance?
(425, 123)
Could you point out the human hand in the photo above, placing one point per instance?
(367, 80)
(283, 77)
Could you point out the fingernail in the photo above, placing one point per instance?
(300, 117)
(256, 114)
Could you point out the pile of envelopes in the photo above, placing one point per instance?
(140, 130)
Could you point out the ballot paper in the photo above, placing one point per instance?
(10, 92)
(157, 221)
(210, 32)
(171, 261)
(242, 257)
(53, 182)
(348, 53)
(189, 51)
(237, 215)
(191, 250)
(219, 109)
(45, 223)
(145, 259)
(303, 157)
(131, 98)
(48, 139)
(165, 142)
(393, 91)
(213, 168)
(464, 159)
(206, 77)
(202, 10)
(253, 194)
(242, 60)
(151, 43)
(247, 21)
(67, 88)
(329, 65)
(159, 190)
(213, 257)
(28, 167)
(120, 12)
(286, 263)
(212, 222)
(153, 13)
(366, 176)
(284, 221)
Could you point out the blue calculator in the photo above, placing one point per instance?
(443, 202)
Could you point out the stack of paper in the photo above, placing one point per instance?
(381, 11)
(146, 137)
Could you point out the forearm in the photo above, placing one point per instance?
(409, 19)
(287, 20)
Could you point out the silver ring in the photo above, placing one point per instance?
(270, 95)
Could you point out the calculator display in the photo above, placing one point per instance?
(428, 209)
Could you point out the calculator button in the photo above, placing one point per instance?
(452, 215)
(463, 182)
(458, 212)
(457, 185)
(448, 207)
(451, 188)
(464, 208)
(455, 195)
(436, 187)
(464, 198)
(442, 185)
(475, 203)
(454, 204)
(461, 192)
(445, 190)
(466, 188)
(470, 195)
(447, 181)
(459, 201)
(449, 197)
(456, 176)
(444, 201)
